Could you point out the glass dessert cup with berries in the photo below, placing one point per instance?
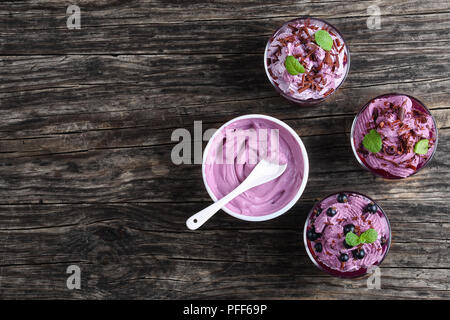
(394, 136)
(306, 60)
(346, 234)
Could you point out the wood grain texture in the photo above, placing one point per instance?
(85, 143)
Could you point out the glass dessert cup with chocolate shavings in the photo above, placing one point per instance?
(345, 63)
(361, 272)
(417, 105)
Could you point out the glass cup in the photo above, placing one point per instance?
(318, 209)
(268, 60)
(416, 104)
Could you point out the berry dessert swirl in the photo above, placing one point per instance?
(394, 136)
(347, 233)
(306, 60)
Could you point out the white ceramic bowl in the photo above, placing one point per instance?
(302, 185)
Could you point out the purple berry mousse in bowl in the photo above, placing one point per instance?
(394, 136)
(306, 60)
(346, 234)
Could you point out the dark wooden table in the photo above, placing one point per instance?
(86, 176)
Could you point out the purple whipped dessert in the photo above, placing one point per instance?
(394, 136)
(347, 233)
(306, 60)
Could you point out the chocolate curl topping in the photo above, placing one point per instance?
(328, 92)
(303, 89)
(307, 22)
(375, 115)
(327, 60)
(293, 28)
(290, 38)
(401, 114)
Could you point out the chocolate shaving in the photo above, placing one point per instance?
(401, 113)
(390, 161)
(305, 30)
(278, 52)
(327, 59)
(375, 115)
(320, 66)
(290, 38)
(336, 62)
(293, 28)
(328, 92)
(272, 75)
(302, 89)
(312, 46)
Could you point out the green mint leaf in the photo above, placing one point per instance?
(323, 39)
(372, 141)
(352, 239)
(293, 66)
(421, 147)
(369, 236)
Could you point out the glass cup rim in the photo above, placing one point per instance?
(353, 274)
(352, 143)
(281, 92)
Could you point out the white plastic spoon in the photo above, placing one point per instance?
(263, 172)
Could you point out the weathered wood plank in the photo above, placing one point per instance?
(148, 245)
(247, 281)
(147, 174)
(74, 94)
(157, 27)
(114, 134)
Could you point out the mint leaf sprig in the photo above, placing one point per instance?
(421, 147)
(293, 66)
(372, 141)
(324, 40)
(369, 236)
